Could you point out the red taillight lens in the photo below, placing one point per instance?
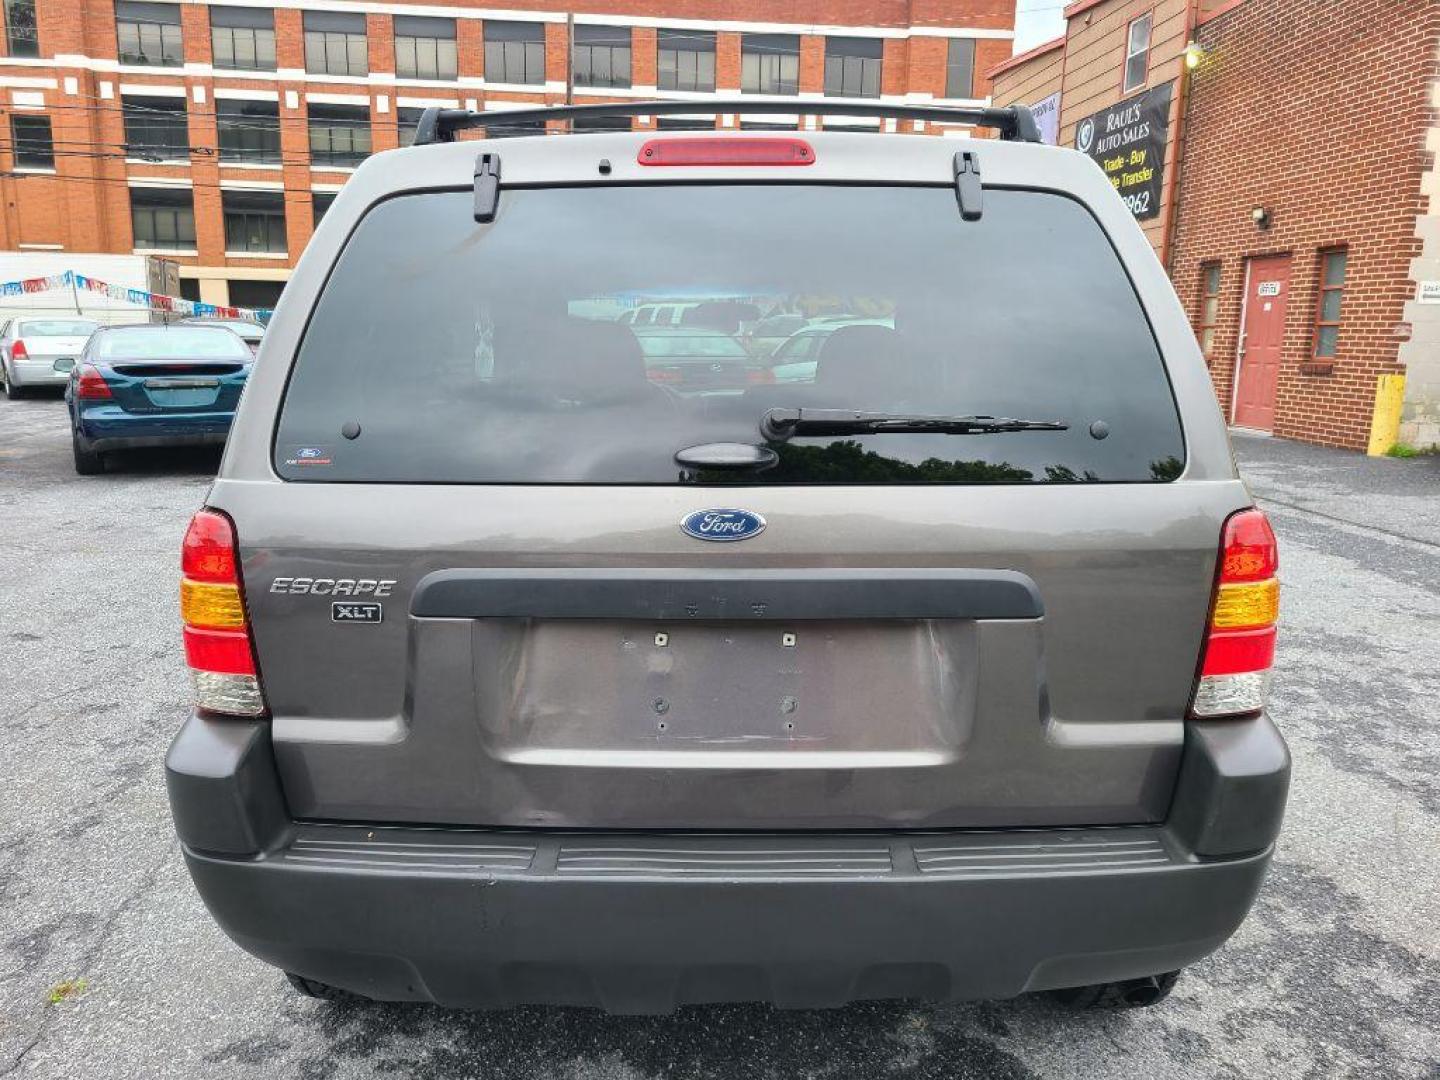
(218, 651)
(217, 635)
(18, 351)
(759, 376)
(1234, 652)
(726, 150)
(208, 550)
(1250, 553)
(92, 385)
(1240, 640)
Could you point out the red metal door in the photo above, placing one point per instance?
(1264, 330)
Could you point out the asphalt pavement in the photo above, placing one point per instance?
(1335, 974)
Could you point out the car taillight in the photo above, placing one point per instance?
(759, 376)
(212, 608)
(92, 385)
(18, 351)
(1240, 641)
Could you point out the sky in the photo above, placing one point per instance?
(1037, 21)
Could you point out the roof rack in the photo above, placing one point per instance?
(1015, 123)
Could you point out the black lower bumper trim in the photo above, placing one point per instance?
(644, 924)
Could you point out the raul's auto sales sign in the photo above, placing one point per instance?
(1128, 141)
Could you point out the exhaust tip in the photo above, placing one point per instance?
(1139, 993)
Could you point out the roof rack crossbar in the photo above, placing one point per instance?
(1015, 123)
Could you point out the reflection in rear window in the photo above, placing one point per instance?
(507, 353)
(58, 327)
(170, 343)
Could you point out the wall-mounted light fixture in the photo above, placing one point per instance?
(1261, 216)
(1194, 53)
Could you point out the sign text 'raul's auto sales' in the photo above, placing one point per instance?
(1128, 142)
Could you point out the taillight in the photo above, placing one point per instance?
(18, 351)
(726, 150)
(212, 607)
(1240, 641)
(763, 376)
(92, 385)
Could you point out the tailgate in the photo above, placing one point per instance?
(981, 589)
(980, 664)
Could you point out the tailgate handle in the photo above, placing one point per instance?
(747, 595)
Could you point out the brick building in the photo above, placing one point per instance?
(216, 134)
(1294, 204)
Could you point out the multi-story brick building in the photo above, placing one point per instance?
(1294, 191)
(217, 133)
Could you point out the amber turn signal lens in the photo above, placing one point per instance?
(1250, 604)
(211, 605)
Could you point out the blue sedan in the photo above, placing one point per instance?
(154, 385)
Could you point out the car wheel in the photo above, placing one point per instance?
(1125, 994)
(12, 392)
(87, 462)
(313, 988)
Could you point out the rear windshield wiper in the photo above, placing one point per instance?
(777, 425)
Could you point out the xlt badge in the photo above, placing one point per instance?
(350, 611)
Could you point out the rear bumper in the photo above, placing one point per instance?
(35, 373)
(108, 427)
(646, 922)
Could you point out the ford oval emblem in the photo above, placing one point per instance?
(722, 525)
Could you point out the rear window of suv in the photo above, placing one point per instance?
(502, 353)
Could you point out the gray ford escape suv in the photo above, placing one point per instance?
(525, 673)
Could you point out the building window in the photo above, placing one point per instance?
(163, 218)
(425, 48)
(600, 123)
(1327, 311)
(407, 119)
(320, 202)
(769, 64)
(686, 60)
(156, 128)
(254, 220)
(509, 129)
(852, 67)
(602, 56)
(1209, 305)
(21, 36)
(335, 44)
(960, 68)
(31, 142)
(685, 123)
(249, 131)
(514, 52)
(149, 34)
(1137, 53)
(339, 135)
(243, 39)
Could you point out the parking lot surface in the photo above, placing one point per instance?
(1336, 973)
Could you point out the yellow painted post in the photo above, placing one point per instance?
(1385, 423)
